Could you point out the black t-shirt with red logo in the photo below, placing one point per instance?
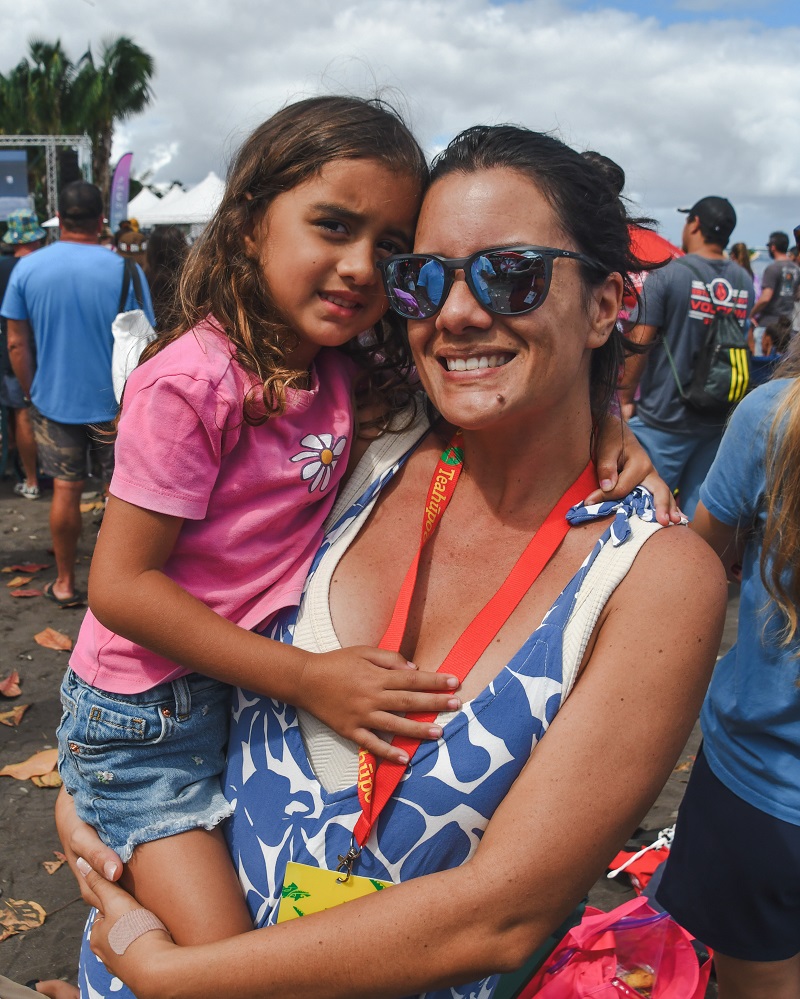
(679, 304)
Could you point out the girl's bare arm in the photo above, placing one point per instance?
(356, 691)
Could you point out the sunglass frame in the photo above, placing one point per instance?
(452, 264)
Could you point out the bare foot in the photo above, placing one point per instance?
(56, 989)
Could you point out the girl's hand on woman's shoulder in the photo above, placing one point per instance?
(622, 464)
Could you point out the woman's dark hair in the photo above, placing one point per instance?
(588, 209)
(220, 279)
(613, 172)
(167, 250)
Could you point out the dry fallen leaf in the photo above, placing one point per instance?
(92, 505)
(683, 768)
(18, 581)
(14, 716)
(51, 866)
(26, 593)
(53, 779)
(17, 916)
(27, 567)
(52, 639)
(40, 763)
(10, 686)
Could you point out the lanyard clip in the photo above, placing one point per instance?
(345, 865)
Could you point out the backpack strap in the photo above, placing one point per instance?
(130, 273)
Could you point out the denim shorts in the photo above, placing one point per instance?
(144, 766)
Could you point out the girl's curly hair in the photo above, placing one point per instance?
(219, 279)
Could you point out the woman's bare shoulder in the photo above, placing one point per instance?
(676, 577)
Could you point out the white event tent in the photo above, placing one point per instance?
(144, 201)
(194, 207)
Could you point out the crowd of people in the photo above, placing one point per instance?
(391, 588)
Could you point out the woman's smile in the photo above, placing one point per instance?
(474, 362)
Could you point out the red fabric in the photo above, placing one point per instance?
(641, 870)
(651, 248)
(585, 962)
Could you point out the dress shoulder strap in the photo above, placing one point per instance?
(606, 573)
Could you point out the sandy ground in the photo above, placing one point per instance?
(27, 832)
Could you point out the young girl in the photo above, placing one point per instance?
(232, 440)
(733, 876)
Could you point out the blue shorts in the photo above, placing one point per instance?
(733, 873)
(144, 766)
(11, 394)
(682, 460)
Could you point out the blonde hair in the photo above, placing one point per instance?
(221, 280)
(780, 554)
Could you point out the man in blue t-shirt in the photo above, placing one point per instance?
(62, 301)
(678, 304)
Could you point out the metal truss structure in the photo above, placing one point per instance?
(51, 143)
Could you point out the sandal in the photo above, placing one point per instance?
(77, 599)
(27, 492)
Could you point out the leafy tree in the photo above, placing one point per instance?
(49, 94)
(111, 91)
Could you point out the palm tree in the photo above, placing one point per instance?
(35, 95)
(48, 94)
(111, 91)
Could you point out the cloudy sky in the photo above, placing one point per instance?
(691, 97)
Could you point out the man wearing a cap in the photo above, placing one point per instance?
(26, 235)
(64, 299)
(677, 306)
(778, 289)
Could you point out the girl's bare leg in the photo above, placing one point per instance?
(189, 882)
(757, 979)
(56, 989)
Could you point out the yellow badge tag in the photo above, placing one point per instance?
(313, 889)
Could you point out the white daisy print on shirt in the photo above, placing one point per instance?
(322, 456)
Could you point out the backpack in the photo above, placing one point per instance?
(721, 374)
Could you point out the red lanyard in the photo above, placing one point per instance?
(376, 784)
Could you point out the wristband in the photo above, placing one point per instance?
(130, 927)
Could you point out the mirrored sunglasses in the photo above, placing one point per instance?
(507, 281)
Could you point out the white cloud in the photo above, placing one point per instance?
(688, 110)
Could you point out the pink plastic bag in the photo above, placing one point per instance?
(631, 952)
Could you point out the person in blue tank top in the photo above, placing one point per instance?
(733, 875)
(578, 693)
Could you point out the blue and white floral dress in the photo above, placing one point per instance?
(285, 812)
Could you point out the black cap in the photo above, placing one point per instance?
(716, 215)
(79, 201)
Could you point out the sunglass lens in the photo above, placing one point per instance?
(510, 281)
(415, 286)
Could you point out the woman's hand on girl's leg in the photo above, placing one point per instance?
(80, 840)
(139, 959)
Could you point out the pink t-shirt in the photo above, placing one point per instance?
(253, 498)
